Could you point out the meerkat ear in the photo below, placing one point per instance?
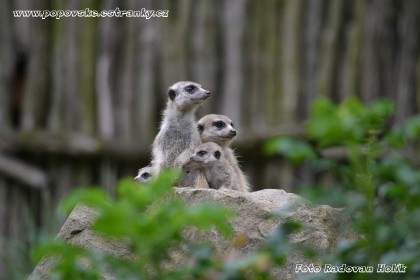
(172, 94)
(200, 128)
(217, 154)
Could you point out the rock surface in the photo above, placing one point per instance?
(255, 221)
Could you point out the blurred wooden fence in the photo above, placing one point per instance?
(80, 98)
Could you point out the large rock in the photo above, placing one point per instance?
(255, 221)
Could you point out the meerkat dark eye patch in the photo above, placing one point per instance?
(232, 124)
(172, 94)
(190, 88)
(201, 153)
(217, 154)
(200, 128)
(219, 124)
(145, 175)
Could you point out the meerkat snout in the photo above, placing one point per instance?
(206, 94)
(233, 132)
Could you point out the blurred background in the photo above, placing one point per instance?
(81, 98)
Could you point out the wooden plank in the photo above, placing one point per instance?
(174, 43)
(350, 79)
(72, 118)
(7, 61)
(15, 216)
(379, 50)
(253, 112)
(23, 172)
(148, 94)
(107, 43)
(406, 65)
(271, 53)
(417, 85)
(311, 61)
(35, 83)
(80, 145)
(55, 111)
(291, 58)
(3, 210)
(4, 213)
(233, 26)
(61, 174)
(108, 176)
(88, 51)
(126, 79)
(329, 45)
(203, 66)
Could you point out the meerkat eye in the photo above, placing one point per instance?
(201, 153)
(232, 124)
(219, 124)
(145, 175)
(190, 88)
(200, 128)
(217, 154)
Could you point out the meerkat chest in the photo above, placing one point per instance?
(178, 136)
(218, 175)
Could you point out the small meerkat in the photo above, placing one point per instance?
(145, 175)
(178, 135)
(208, 158)
(220, 130)
(193, 177)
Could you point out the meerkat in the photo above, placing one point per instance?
(220, 130)
(208, 158)
(193, 177)
(145, 175)
(178, 135)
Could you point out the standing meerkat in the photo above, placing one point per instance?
(178, 135)
(209, 158)
(220, 130)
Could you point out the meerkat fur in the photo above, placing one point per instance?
(178, 136)
(220, 130)
(193, 177)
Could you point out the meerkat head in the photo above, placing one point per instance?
(206, 154)
(216, 128)
(145, 175)
(187, 95)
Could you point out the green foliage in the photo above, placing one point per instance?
(151, 221)
(297, 151)
(349, 123)
(378, 181)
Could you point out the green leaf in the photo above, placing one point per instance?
(375, 117)
(94, 197)
(297, 151)
(412, 128)
(395, 139)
